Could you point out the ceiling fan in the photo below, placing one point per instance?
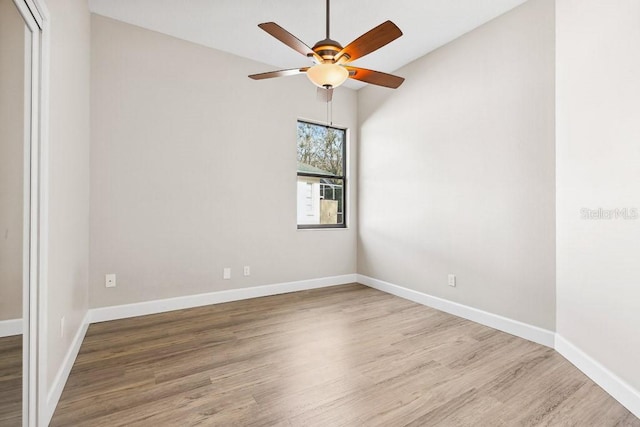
(331, 67)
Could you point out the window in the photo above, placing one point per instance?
(321, 176)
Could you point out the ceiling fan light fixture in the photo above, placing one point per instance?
(327, 75)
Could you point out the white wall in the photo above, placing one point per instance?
(457, 170)
(193, 169)
(598, 164)
(12, 52)
(68, 240)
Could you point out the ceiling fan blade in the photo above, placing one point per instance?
(375, 77)
(324, 94)
(370, 41)
(289, 39)
(279, 73)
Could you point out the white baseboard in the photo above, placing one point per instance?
(514, 327)
(10, 327)
(628, 396)
(104, 314)
(65, 369)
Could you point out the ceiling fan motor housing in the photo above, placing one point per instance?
(328, 49)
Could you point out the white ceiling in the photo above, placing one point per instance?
(231, 25)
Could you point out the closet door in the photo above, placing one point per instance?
(20, 36)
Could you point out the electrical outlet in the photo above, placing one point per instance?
(452, 280)
(226, 273)
(62, 327)
(247, 270)
(110, 280)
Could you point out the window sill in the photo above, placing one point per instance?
(323, 229)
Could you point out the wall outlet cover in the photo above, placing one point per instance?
(110, 280)
(451, 280)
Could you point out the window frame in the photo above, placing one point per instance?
(342, 177)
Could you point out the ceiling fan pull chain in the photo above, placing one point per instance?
(331, 114)
(328, 122)
(329, 111)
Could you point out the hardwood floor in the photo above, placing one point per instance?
(11, 381)
(341, 356)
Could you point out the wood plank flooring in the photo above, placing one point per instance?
(340, 356)
(11, 381)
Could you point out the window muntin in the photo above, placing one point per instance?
(321, 176)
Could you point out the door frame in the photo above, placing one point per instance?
(35, 17)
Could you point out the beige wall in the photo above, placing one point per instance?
(68, 178)
(12, 53)
(193, 169)
(598, 156)
(457, 170)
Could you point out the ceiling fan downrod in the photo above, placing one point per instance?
(328, 17)
(327, 49)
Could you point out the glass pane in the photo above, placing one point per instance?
(320, 201)
(320, 149)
